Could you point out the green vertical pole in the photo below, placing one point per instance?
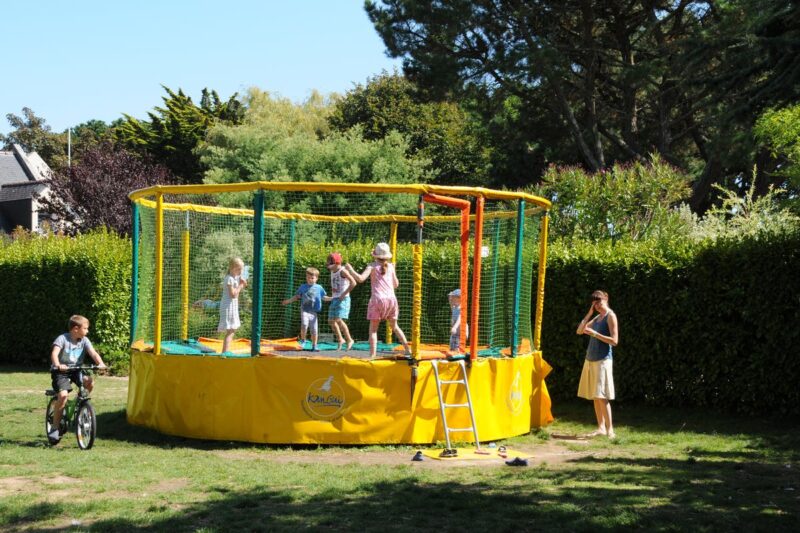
(134, 269)
(495, 259)
(258, 272)
(287, 314)
(517, 276)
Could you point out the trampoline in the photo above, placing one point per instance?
(271, 388)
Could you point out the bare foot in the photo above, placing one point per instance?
(350, 343)
(339, 345)
(596, 433)
(612, 435)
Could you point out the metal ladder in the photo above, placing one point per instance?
(450, 451)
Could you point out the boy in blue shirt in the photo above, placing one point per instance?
(454, 298)
(310, 295)
(69, 350)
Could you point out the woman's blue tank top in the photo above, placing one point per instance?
(599, 350)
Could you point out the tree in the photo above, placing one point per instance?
(34, 135)
(779, 130)
(174, 131)
(94, 191)
(749, 59)
(615, 76)
(441, 131)
(281, 141)
(632, 201)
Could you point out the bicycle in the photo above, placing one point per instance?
(78, 413)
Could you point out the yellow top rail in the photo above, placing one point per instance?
(339, 187)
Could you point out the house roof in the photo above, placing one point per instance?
(10, 169)
(21, 174)
(20, 191)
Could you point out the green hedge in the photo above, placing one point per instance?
(712, 325)
(45, 280)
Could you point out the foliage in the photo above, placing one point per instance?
(702, 324)
(632, 201)
(280, 141)
(174, 131)
(88, 135)
(34, 135)
(94, 191)
(440, 131)
(615, 81)
(749, 216)
(779, 130)
(55, 277)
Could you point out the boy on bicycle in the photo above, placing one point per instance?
(68, 351)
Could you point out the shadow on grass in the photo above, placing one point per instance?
(595, 494)
(779, 433)
(114, 426)
(32, 513)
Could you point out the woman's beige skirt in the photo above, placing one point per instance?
(597, 380)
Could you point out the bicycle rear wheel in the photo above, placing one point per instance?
(85, 426)
(48, 419)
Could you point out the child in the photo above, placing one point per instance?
(342, 282)
(232, 285)
(382, 302)
(311, 304)
(68, 351)
(455, 319)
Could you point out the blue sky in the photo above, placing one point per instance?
(79, 60)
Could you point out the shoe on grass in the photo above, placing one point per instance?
(517, 461)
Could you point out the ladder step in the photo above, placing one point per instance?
(456, 405)
(460, 381)
(453, 430)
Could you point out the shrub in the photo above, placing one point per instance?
(710, 324)
(46, 279)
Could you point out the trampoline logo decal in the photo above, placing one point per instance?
(514, 399)
(324, 399)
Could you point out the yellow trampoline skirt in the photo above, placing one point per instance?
(280, 399)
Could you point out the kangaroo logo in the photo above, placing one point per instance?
(514, 399)
(324, 399)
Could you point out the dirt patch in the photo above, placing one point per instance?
(169, 485)
(546, 453)
(25, 485)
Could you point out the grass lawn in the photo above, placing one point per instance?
(668, 469)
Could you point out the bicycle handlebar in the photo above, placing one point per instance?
(71, 368)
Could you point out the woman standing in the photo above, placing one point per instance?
(597, 378)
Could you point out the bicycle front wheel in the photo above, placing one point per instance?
(85, 426)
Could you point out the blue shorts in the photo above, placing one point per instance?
(339, 308)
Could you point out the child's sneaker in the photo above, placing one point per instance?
(54, 437)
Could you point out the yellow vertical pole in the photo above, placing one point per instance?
(416, 310)
(159, 270)
(185, 281)
(393, 248)
(537, 331)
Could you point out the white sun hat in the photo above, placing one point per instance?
(382, 251)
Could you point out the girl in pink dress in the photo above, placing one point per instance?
(382, 302)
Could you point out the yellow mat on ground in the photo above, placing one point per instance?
(470, 454)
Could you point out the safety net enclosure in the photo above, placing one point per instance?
(444, 242)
